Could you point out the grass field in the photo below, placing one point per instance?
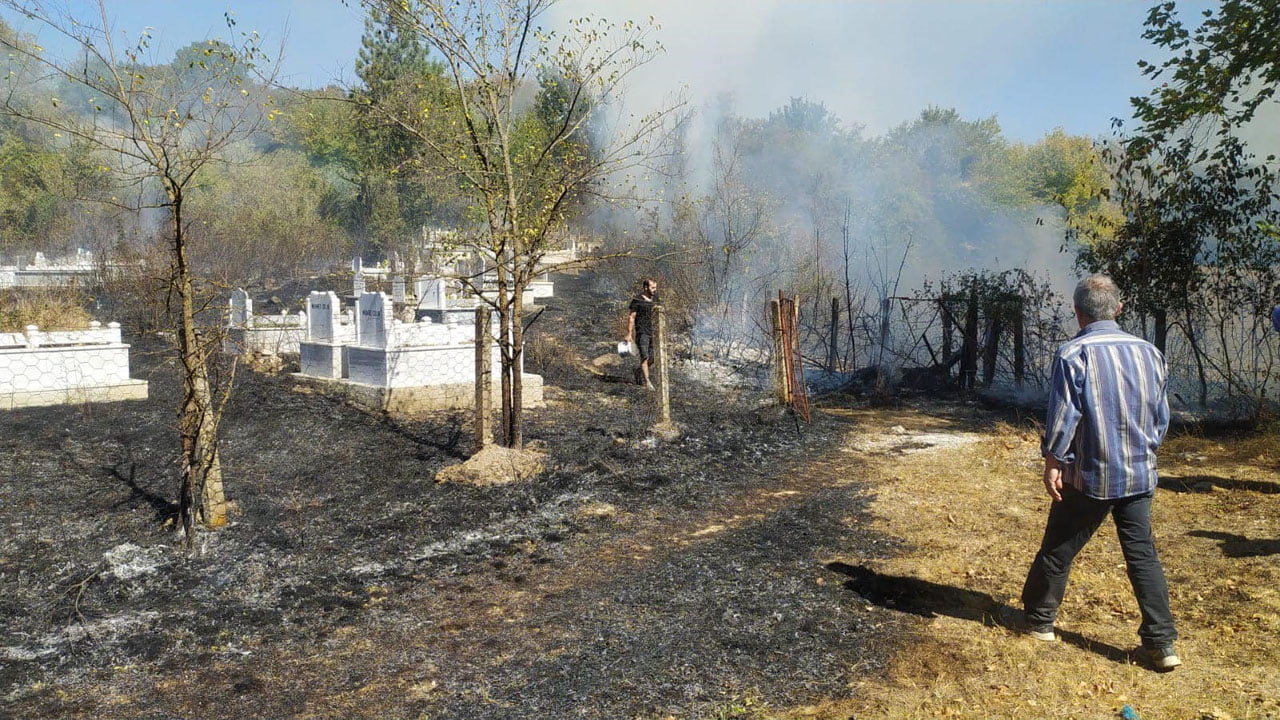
(971, 511)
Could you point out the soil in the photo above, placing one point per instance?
(637, 576)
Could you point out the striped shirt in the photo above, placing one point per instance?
(1107, 412)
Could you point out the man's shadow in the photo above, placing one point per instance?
(1206, 483)
(927, 599)
(1239, 546)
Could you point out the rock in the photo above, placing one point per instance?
(264, 363)
(898, 430)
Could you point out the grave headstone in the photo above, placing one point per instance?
(357, 264)
(439, 297)
(375, 313)
(322, 316)
(241, 309)
(357, 284)
(397, 289)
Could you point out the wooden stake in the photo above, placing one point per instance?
(969, 360)
(781, 384)
(1019, 343)
(835, 334)
(660, 364)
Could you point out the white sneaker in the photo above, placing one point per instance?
(1016, 620)
(1161, 659)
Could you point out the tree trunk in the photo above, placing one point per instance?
(201, 495)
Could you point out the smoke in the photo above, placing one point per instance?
(861, 184)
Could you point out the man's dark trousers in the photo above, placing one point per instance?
(1071, 523)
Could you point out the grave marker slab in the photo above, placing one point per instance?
(241, 309)
(322, 316)
(375, 313)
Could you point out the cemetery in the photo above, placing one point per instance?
(402, 368)
(247, 332)
(66, 367)
(39, 271)
(477, 361)
(400, 353)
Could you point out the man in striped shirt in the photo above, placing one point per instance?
(1107, 416)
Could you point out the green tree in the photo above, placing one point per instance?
(263, 217)
(1189, 159)
(395, 194)
(158, 128)
(40, 175)
(1197, 200)
(522, 175)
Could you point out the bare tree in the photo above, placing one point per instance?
(515, 131)
(155, 128)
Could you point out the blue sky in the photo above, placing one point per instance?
(1036, 65)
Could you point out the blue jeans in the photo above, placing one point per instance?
(1071, 523)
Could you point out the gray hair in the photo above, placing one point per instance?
(1097, 298)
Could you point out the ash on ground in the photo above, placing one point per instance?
(629, 579)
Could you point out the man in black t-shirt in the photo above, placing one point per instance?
(640, 326)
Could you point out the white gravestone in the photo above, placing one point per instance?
(357, 264)
(397, 289)
(357, 283)
(432, 293)
(322, 316)
(374, 311)
(241, 309)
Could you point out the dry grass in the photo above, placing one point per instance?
(973, 515)
(49, 308)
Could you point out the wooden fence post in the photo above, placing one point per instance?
(1019, 343)
(969, 359)
(832, 349)
(781, 385)
(991, 353)
(484, 377)
(946, 336)
(660, 364)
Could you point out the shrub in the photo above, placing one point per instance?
(61, 308)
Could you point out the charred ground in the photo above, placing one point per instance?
(635, 578)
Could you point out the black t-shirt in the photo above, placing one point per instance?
(644, 313)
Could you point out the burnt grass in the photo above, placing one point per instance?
(634, 578)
